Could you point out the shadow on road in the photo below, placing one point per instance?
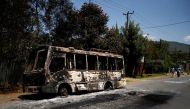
(159, 97)
(37, 96)
(41, 96)
(154, 99)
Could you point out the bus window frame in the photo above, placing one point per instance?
(37, 59)
(57, 55)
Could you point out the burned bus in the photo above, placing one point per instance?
(61, 70)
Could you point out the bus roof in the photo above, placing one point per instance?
(77, 51)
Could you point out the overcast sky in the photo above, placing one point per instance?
(160, 19)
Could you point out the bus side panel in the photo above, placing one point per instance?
(90, 81)
(114, 75)
(76, 76)
(90, 76)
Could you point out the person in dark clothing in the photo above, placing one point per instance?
(178, 72)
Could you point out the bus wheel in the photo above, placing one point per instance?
(63, 91)
(108, 86)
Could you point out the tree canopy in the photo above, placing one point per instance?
(93, 24)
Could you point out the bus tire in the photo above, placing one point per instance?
(63, 91)
(108, 86)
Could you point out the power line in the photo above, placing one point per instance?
(141, 17)
(119, 9)
(167, 25)
(109, 6)
(144, 21)
(119, 6)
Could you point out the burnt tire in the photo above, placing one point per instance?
(108, 86)
(63, 91)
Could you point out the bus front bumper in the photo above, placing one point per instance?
(32, 89)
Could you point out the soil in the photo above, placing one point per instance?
(6, 98)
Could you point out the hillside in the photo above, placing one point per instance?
(178, 47)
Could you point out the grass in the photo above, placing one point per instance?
(145, 76)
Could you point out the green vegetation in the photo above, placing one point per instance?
(145, 76)
(24, 24)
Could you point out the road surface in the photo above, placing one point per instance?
(180, 87)
(168, 93)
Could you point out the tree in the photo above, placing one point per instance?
(92, 21)
(37, 16)
(15, 28)
(61, 21)
(157, 51)
(136, 44)
(113, 40)
(66, 31)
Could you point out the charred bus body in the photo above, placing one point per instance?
(63, 70)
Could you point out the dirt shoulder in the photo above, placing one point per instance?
(5, 98)
(152, 77)
(137, 80)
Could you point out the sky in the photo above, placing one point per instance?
(158, 19)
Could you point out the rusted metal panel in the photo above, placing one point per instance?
(69, 50)
(76, 76)
(82, 86)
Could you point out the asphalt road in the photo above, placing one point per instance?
(170, 93)
(177, 88)
(164, 93)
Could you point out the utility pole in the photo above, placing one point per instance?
(127, 17)
(132, 71)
